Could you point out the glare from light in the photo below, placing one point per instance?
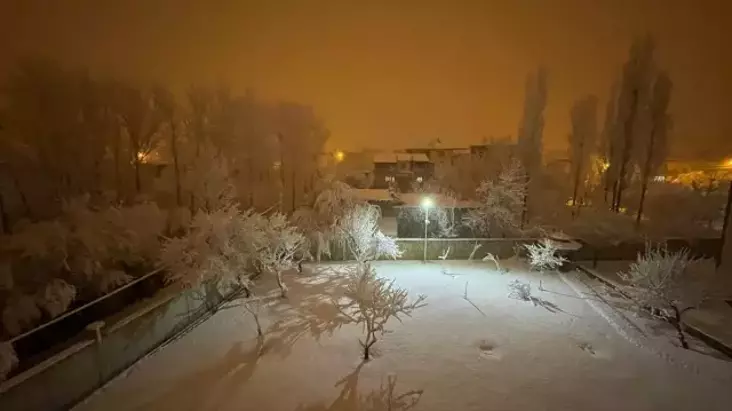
(339, 156)
(426, 203)
(728, 163)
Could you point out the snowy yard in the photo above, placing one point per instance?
(566, 351)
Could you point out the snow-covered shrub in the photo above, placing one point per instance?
(21, 312)
(8, 359)
(519, 290)
(56, 297)
(543, 255)
(372, 301)
(219, 246)
(501, 202)
(359, 231)
(279, 247)
(671, 282)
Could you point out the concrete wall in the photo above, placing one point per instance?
(85, 364)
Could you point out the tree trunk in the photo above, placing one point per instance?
(176, 163)
(4, 220)
(575, 190)
(625, 158)
(281, 284)
(645, 177)
(138, 183)
(370, 340)
(117, 177)
(679, 332)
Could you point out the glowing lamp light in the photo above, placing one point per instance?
(339, 156)
(426, 203)
(728, 163)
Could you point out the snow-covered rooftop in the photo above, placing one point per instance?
(396, 157)
(373, 194)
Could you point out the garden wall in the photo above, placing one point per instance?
(85, 363)
(460, 248)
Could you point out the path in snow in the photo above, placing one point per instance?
(486, 352)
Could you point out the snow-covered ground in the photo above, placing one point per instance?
(567, 351)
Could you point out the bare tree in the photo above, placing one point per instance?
(372, 301)
(669, 283)
(582, 141)
(170, 111)
(142, 121)
(633, 94)
(656, 148)
(530, 131)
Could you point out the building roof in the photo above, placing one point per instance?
(397, 157)
(373, 194)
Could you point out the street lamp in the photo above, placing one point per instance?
(339, 156)
(426, 205)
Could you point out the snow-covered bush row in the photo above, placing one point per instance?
(87, 251)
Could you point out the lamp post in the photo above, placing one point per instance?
(426, 205)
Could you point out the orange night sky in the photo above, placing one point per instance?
(397, 73)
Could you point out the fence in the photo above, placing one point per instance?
(107, 348)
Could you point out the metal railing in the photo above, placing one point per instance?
(82, 307)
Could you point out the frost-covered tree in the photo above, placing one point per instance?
(359, 231)
(530, 131)
(501, 202)
(582, 143)
(543, 255)
(654, 152)
(670, 283)
(372, 301)
(220, 247)
(280, 247)
(320, 220)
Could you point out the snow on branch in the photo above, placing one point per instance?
(359, 230)
(501, 201)
(280, 247)
(669, 282)
(372, 301)
(543, 255)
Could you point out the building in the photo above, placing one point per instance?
(401, 169)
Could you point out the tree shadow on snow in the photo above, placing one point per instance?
(192, 391)
(384, 398)
(308, 311)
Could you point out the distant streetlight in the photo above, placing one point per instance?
(426, 205)
(339, 156)
(727, 163)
